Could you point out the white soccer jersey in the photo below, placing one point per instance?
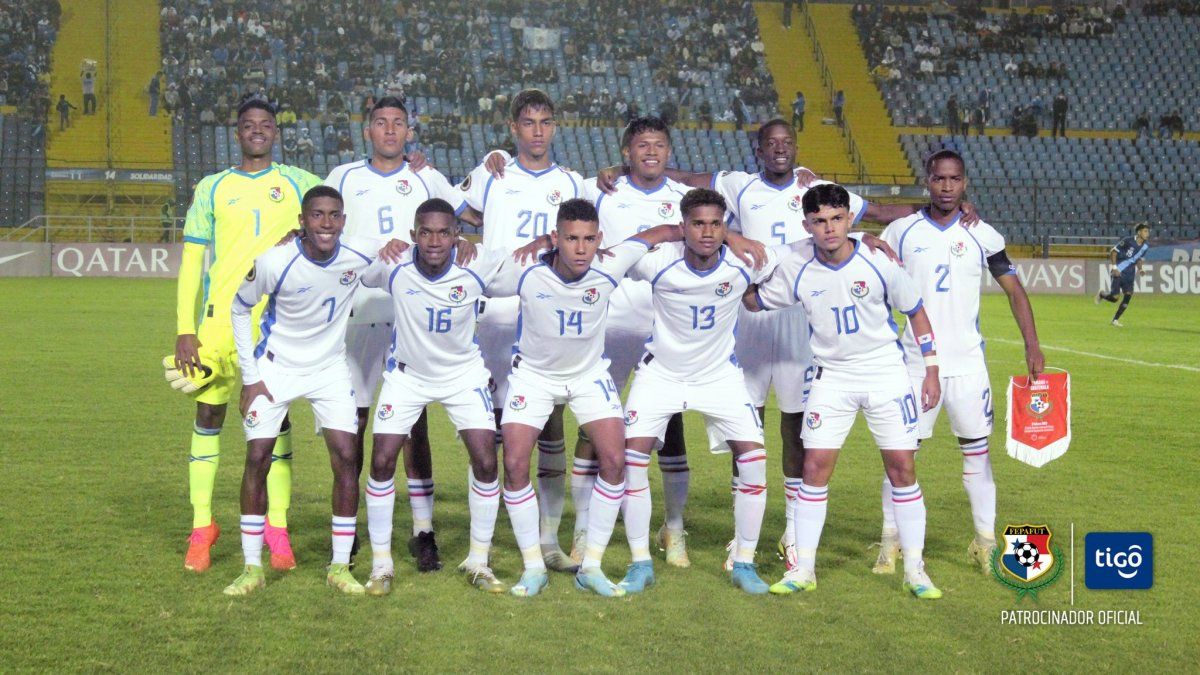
(521, 206)
(560, 328)
(624, 213)
(308, 305)
(383, 206)
(695, 312)
(947, 263)
(434, 334)
(849, 307)
(767, 213)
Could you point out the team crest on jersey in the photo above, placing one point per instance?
(590, 296)
(630, 417)
(386, 411)
(403, 186)
(859, 289)
(252, 418)
(517, 403)
(348, 277)
(554, 197)
(795, 203)
(813, 420)
(1039, 403)
(457, 293)
(666, 210)
(276, 194)
(958, 248)
(724, 288)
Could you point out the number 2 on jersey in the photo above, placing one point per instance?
(942, 285)
(539, 226)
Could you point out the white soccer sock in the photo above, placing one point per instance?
(637, 504)
(889, 512)
(750, 503)
(522, 510)
(811, 504)
(343, 537)
(606, 505)
(734, 483)
(583, 478)
(910, 518)
(253, 528)
(551, 489)
(483, 500)
(675, 478)
(420, 498)
(381, 502)
(790, 487)
(977, 480)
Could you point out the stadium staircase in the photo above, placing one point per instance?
(790, 57)
(122, 37)
(878, 142)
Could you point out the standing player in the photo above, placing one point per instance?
(848, 294)
(309, 284)
(1126, 261)
(689, 364)
(947, 262)
(516, 210)
(240, 213)
(559, 359)
(434, 358)
(382, 194)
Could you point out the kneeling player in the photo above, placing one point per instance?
(309, 285)
(434, 359)
(689, 365)
(848, 294)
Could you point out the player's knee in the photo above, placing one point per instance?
(901, 473)
(484, 467)
(210, 416)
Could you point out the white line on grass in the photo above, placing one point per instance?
(1135, 362)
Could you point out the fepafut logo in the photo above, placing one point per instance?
(1118, 560)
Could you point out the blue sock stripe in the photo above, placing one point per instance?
(201, 431)
(793, 482)
(906, 491)
(385, 485)
(814, 491)
(519, 493)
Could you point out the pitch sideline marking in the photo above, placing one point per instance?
(1135, 362)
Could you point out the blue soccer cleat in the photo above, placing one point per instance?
(531, 583)
(593, 579)
(639, 577)
(745, 577)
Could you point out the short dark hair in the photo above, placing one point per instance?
(776, 122)
(577, 209)
(701, 197)
(530, 98)
(825, 194)
(435, 205)
(319, 191)
(388, 102)
(944, 153)
(1141, 226)
(640, 125)
(255, 104)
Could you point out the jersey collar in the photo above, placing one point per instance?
(377, 172)
(942, 228)
(763, 177)
(704, 273)
(320, 263)
(650, 191)
(257, 174)
(531, 172)
(417, 264)
(843, 263)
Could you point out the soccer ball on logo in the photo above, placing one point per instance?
(276, 194)
(591, 296)
(1026, 553)
(348, 277)
(403, 186)
(554, 197)
(666, 209)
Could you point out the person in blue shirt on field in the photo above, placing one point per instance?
(1126, 261)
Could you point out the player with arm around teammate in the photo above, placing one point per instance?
(848, 294)
(947, 262)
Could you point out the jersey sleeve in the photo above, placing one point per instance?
(777, 289)
(774, 255)
(257, 283)
(728, 184)
(335, 177)
(474, 187)
(486, 265)
(624, 256)
(198, 227)
(648, 267)
(891, 235)
(377, 273)
(507, 276)
(988, 238)
(590, 191)
(440, 187)
(901, 289)
(858, 206)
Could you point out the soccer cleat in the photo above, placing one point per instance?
(380, 583)
(579, 546)
(276, 539)
(338, 575)
(1117, 324)
(794, 580)
(889, 552)
(482, 577)
(981, 554)
(638, 577)
(919, 584)
(787, 552)
(593, 580)
(745, 576)
(199, 543)
(675, 544)
(251, 579)
(558, 561)
(424, 548)
(728, 564)
(1096, 298)
(531, 583)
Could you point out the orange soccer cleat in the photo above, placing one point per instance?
(276, 539)
(199, 543)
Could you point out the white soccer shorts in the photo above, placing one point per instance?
(656, 396)
(968, 403)
(624, 348)
(328, 390)
(465, 397)
(891, 409)
(496, 334)
(367, 349)
(773, 350)
(531, 397)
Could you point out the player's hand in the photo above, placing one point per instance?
(393, 250)
(804, 177)
(603, 253)
(416, 160)
(494, 163)
(1114, 271)
(970, 217)
(751, 252)
(465, 251)
(187, 354)
(931, 389)
(1035, 360)
(532, 249)
(606, 178)
(874, 243)
(288, 238)
(251, 392)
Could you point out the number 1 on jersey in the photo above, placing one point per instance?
(846, 319)
(257, 221)
(703, 318)
(439, 320)
(568, 320)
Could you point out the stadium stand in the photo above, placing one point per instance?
(22, 170)
(28, 29)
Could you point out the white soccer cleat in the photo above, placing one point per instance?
(728, 564)
(558, 561)
(889, 553)
(380, 583)
(980, 554)
(787, 552)
(1117, 324)
(674, 542)
(918, 583)
(579, 546)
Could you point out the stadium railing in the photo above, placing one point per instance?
(830, 88)
(1058, 246)
(89, 229)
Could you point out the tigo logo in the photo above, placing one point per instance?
(1119, 560)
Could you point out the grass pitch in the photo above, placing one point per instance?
(93, 491)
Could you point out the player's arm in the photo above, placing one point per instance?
(1112, 262)
(252, 289)
(777, 289)
(886, 213)
(749, 251)
(931, 388)
(659, 234)
(1018, 300)
(197, 235)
